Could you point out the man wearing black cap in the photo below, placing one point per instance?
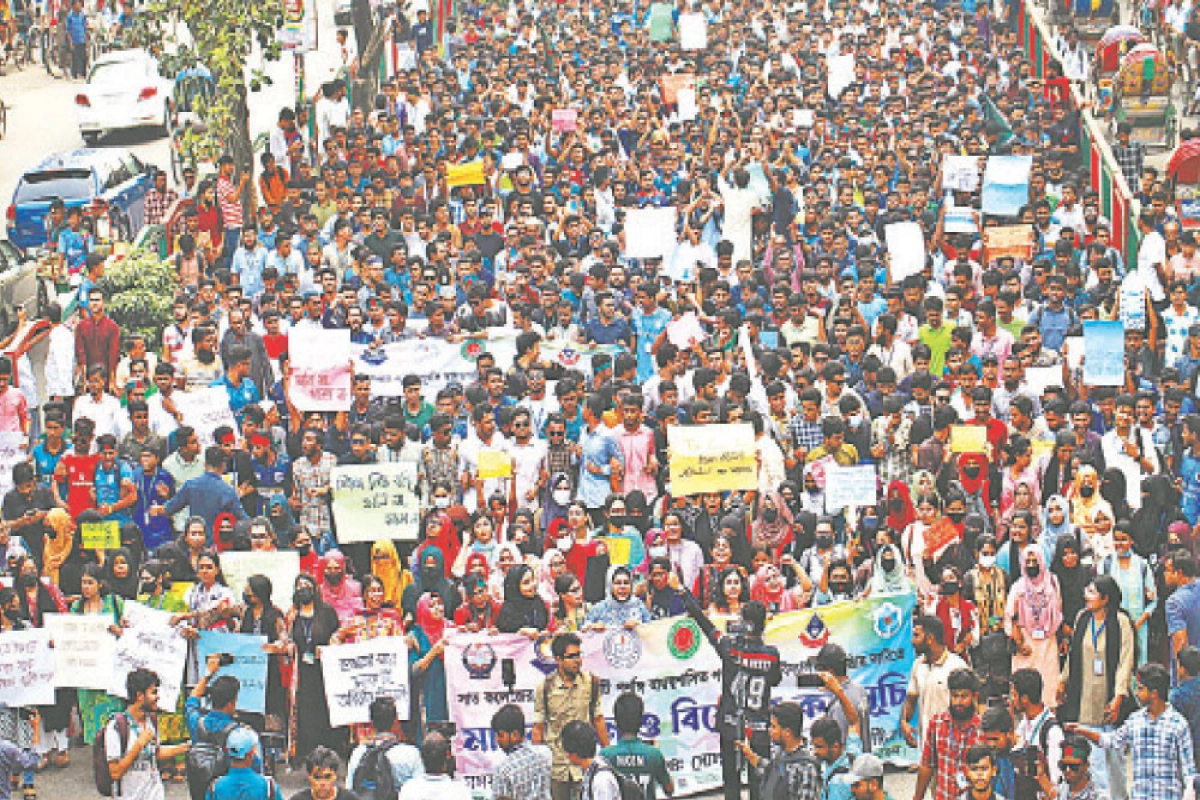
(1077, 778)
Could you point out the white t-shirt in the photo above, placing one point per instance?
(141, 781)
(600, 783)
(434, 787)
(1152, 250)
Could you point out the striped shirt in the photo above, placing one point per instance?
(230, 202)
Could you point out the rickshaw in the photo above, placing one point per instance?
(1183, 173)
(1112, 47)
(194, 86)
(1091, 18)
(1142, 96)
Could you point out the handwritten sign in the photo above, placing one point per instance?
(151, 643)
(83, 650)
(850, 487)
(693, 32)
(281, 568)
(205, 410)
(968, 439)
(1006, 185)
(686, 331)
(249, 664)
(1104, 348)
(356, 674)
(494, 463)
(26, 668)
(671, 84)
(11, 454)
(100, 535)
(376, 501)
(321, 369)
(960, 173)
(712, 458)
(1008, 241)
(564, 120)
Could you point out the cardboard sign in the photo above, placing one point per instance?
(712, 458)
(671, 84)
(376, 501)
(100, 535)
(968, 439)
(564, 120)
(1007, 241)
(356, 674)
(494, 464)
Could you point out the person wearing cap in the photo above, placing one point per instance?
(866, 779)
(242, 782)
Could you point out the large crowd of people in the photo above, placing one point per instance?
(1055, 568)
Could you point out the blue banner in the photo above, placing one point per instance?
(249, 665)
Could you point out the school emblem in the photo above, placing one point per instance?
(471, 350)
(683, 640)
(815, 633)
(622, 648)
(888, 619)
(479, 659)
(543, 658)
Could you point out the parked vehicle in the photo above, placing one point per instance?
(110, 185)
(123, 90)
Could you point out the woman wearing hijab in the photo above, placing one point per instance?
(61, 556)
(1073, 577)
(440, 533)
(1085, 497)
(339, 591)
(769, 588)
(622, 539)
(1020, 470)
(386, 565)
(37, 598)
(1033, 617)
(508, 555)
(120, 573)
(1055, 523)
(1160, 507)
(555, 501)
(620, 608)
(426, 646)
(813, 497)
(773, 528)
(1113, 488)
(523, 611)
(899, 506)
(551, 568)
(430, 577)
(313, 625)
(888, 576)
(981, 495)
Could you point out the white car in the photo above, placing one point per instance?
(123, 90)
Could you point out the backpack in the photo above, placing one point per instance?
(630, 789)
(207, 758)
(373, 779)
(104, 779)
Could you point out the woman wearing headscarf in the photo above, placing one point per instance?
(1113, 488)
(552, 566)
(375, 620)
(17, 725)
(987, 587)
(1058, 472)
(1160, 507)
(773, 528)
(386, 565)
(813, 497)
(426, 646)
(1055, 523)
(1085, 497)
(555, 501)
(440, 532)
(508, 555)
(37, 598)
(523, 611)
(620, 608)
(1033, 617)
(587, 557)
(339, 591)
(313, 624)
(120, 573)
(430, 577)
(888, 575)
(1073, 577)
(769, 588)
(61, 558)
(1019, 470)
(899, 506)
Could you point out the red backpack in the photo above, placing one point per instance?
(104, 779)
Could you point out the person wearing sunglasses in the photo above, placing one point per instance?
(1076, 777)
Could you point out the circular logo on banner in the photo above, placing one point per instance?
(622, 648)
(569, 357)
(815, 633)
(683, 640)
(543, 658)
(479, 659)
(471, 350)
(888, 619)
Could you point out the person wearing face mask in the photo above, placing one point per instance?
(888, 575)
(386, 565)
(837, 585)
(621, 537)
(262, 618)
(1034, 615)
(339, 591)
(986, 585)
(663, 595)
(957, 613)
(1085, 498)
(555, 499)
(815, 560)
(312, 626)
(773, 527)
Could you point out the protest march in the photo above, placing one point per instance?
(609, 400)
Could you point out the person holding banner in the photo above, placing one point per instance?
(96, 705)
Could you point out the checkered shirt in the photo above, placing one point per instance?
(1162, 753)
(944, 751)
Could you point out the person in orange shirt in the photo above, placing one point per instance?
(272, 183)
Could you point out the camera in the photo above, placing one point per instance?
(1026, 762)
(809, 680)
(738, 627)
(225, 659)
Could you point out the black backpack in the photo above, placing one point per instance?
(104, 780)
(373, 779)
(630, 789)
(207, 758)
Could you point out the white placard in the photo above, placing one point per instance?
(650, 232)
(850, 487)
(205, 410)
(26, 668)
(841, 73)
(693, 32)
(83, 650)
(960, 173)
(150, 642)
(281, 568)
(355, 674)
(688, 108)
(906, 248)
(1037, 379)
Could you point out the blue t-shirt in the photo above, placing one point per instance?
(1189, 476)
(648, 327)
(108, 488)
(1183, 614)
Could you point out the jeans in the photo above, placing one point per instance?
(731, 765)
(79, 60)
(1108, 768)
(233, 240)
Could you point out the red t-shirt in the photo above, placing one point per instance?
(81, 481)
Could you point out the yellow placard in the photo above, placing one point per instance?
(618, 550)
(178, 592)
(100, 535)
(469, 174)
(494, 464)
(968, 439)
(1041, 447)
(712, 458)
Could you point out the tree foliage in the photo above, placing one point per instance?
(141, 289)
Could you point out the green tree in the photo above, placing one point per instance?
(220, 35)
